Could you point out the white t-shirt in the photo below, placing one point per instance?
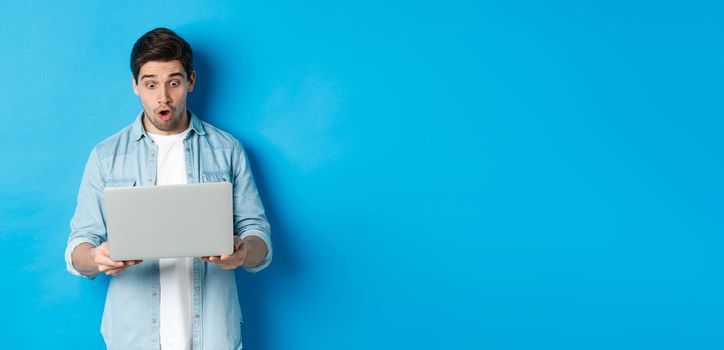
(176, 273)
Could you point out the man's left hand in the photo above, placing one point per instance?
(248, 252)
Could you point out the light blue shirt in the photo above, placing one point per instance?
(128, 158)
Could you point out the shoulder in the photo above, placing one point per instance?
(118, 142)
(217, 138)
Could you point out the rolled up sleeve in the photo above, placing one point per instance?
(88, 224)
(249, 216)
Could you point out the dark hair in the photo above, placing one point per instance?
(161, 44)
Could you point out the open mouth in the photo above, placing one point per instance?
(165, 114)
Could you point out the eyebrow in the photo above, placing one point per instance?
(154, 76)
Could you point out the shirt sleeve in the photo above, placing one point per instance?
(88, 224)
(249, 216)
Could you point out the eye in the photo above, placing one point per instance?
(150, 85)
(175, 83)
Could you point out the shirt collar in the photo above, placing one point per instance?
(138, 131)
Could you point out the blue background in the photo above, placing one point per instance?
(473, 175)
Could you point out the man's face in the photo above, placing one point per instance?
(162, 87)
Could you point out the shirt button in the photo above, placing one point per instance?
(196, 315)
(190, 175)
(153, 320)
(154, 294)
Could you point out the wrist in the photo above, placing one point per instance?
(256, 251)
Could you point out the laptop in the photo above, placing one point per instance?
(170, 221)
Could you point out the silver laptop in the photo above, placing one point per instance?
(169, 221)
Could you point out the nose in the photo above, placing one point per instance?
(163, 96)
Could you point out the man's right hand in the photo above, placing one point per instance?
(102, 258)
(89, 260)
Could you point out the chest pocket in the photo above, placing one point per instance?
(128, 182)
(215, 176)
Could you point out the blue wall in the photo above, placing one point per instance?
(473, 175)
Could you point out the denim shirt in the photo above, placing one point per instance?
(128, 158)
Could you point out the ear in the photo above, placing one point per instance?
(135, 85)
(192, 80)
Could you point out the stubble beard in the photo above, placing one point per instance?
(169, 125)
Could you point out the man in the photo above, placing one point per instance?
(179, 303)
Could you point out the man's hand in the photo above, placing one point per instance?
(102, 258)
(248, 252)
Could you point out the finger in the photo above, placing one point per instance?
(233, 260)
(107, 268)
(238, 251)
(106, 257)
(214, 260)
(102, 257)
(239, 256)
(115, 271)
(224, 265)
(109, 265)
(230, 262)
(102, 260)
(103, 250)
(118, 269)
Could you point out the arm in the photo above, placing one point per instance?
(87, 226)
(84, 261)
(252, 243)
(88, 229)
